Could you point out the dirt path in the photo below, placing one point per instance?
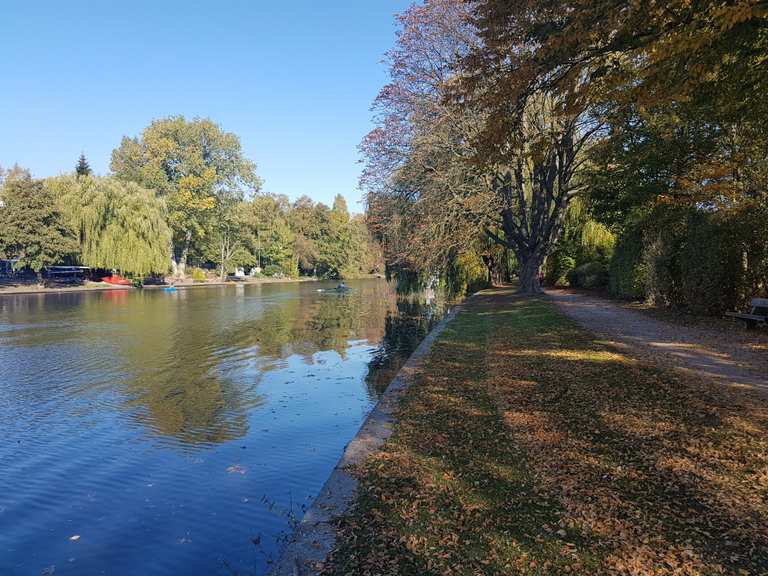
(698, 351)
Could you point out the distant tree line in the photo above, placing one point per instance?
(181, 192)
(595, 143)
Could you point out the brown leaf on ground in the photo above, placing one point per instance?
(528, 447)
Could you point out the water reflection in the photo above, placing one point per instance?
(146, 401)
(403, 331)
(189, 364)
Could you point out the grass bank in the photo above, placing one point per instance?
(529, 447)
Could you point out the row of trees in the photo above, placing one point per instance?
(608, 140)
(181, 192)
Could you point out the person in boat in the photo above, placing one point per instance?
(342, 287)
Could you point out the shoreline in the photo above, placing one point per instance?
(21, 290)
(314, 537)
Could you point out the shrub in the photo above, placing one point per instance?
(198, 275)
(709, 261)
(710, 265)
(589, 275)
(559, 265)
(273, 270)
(661, 250)
(723, 261)
(753, 231)
(466, 274)
(290, 267)
(627, 271)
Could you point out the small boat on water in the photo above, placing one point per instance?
(339, 288)
(116, 280)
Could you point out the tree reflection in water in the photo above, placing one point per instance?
(403, 332)
(188, 365)
(175, 417)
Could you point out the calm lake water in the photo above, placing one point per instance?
(147, 432)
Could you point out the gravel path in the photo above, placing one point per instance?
(698, 351)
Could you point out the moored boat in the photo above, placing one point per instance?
(116, 280)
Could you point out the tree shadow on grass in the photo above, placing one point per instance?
(527, 447)
(450, 494)
(663, 475)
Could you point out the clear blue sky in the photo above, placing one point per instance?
(294, 79)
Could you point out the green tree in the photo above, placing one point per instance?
(365, 253)
(273, 238)
(32, 229)
(191, 164)
(333, 238)
(119, 225)
(229, 243)
(681, 186)
(278, 247)
(83, 168)
(307, 232)
(336, 246)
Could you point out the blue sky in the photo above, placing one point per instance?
(294, 79)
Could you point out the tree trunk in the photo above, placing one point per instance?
(528, 275)
(223, 257)
(489, 264)
(174, 262)
(181, 267)
(495, 276)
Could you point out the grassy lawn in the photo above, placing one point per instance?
(528, 447)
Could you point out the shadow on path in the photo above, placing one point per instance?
(684, 348)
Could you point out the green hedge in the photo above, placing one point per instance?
(272, 270)
(589, 275)
(706, 260)
(559, 265)
(710, 265)
(626, 271)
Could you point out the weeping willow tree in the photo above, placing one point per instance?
(120, 225)
(583, 241)
(582, 233)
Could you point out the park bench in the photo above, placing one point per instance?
(758, 314)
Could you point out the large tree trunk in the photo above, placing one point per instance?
(490, 264)
(529, 274)
(536, 188)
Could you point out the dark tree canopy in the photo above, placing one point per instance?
(32, 229)
(83, 168)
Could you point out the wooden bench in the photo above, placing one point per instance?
(758, 314)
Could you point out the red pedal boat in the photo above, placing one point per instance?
(116, 280)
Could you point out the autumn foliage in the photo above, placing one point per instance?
(498, 114)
